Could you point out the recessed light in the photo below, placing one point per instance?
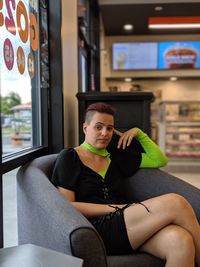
(158, 8)
(128, 27)
(173, 79)
(128, 80)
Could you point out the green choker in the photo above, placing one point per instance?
(101, 152)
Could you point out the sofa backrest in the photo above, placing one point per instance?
(45, 164)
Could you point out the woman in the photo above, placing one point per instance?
(91, 175)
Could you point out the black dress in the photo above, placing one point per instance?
(70, 173)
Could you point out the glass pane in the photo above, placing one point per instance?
(20, 74)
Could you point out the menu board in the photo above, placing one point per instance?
(156, 55)
(135, 56)
(179, 55)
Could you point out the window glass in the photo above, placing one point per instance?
(23, 72)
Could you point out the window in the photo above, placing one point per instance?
(24, 73)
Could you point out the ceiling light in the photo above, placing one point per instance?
(175, 26)
(128, 27)
(174, 22)
(173, 79)
(128, 80)
(158, 8)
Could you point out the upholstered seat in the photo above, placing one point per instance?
(47, 219)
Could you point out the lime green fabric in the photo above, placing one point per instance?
(103, 173)
(101, 152)
(153, 156)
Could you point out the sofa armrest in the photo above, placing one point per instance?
(47, 219)
(148, 183)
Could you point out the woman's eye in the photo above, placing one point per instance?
(98, 127)
(110, 128)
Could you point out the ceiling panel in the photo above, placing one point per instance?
(116, 15)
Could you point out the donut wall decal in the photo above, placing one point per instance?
(20, 33)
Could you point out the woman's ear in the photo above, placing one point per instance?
(84, 127)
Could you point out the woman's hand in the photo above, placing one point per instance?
(126, 137)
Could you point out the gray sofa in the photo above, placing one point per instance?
(47, 219)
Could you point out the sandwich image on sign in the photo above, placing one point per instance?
(180, 57)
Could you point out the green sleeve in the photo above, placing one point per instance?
(153, 156)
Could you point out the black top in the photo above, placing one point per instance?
(70, 173)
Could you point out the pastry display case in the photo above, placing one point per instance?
(179, 129)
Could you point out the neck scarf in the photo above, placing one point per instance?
(101, 152)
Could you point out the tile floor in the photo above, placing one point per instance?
(193, 178)
(10, 200)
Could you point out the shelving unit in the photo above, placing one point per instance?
(179, 130)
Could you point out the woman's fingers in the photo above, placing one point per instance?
(126, 138)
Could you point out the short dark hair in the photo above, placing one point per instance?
(98, 107)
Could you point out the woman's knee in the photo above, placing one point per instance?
(178, 203)
(181, 242)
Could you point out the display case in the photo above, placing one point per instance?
(179, 129)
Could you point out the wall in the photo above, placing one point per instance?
(182, 90)
(163, 89)
(70, 71)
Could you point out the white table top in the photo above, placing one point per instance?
(29, 255)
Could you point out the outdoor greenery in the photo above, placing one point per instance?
(9, 101)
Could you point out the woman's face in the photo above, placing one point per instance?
(99, 131)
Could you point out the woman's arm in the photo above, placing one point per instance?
(87, 209)
(153, 156)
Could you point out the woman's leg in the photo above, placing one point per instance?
(164, 210)
(173, 244)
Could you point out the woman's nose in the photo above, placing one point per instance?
(104, 131)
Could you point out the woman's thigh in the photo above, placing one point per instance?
(141, 224)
